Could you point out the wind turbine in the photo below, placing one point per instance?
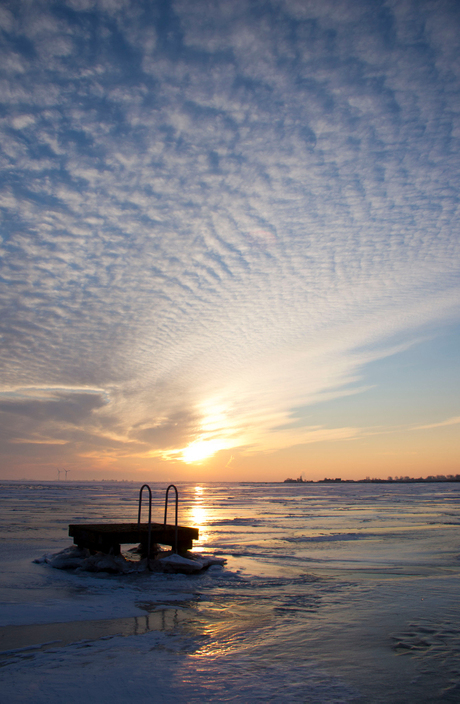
(59, 474)
(66, 472)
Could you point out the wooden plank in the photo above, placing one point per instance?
(107, 537)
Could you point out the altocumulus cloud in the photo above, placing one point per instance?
(214, 212)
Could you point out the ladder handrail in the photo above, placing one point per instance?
(172, 486)
(145, 486)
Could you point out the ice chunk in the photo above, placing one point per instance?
(176, 563)
(75, 558)
(68, 559)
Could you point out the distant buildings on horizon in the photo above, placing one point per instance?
(390, 480)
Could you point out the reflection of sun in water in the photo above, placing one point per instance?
(198, 513)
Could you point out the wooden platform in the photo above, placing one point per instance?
(107, 537)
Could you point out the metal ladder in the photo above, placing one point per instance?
(171, 486)
(146, 486)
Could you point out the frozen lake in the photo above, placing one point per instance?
(330, 593)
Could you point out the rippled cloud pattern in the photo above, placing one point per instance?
(215, 213)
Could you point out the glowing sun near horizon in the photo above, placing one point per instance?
(200, 450)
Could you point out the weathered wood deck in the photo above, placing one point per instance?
(107, 537)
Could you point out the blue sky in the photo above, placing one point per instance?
(229, 234)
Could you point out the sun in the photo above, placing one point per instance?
(200, 450)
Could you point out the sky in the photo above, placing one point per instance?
(229, 239)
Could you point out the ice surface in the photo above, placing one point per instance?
(329, 594)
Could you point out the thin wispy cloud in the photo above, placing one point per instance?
(219, 210)
(441, 424)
